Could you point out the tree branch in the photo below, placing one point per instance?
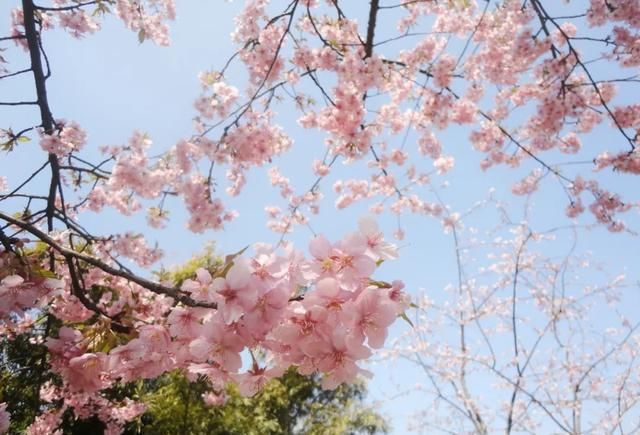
(69, 253)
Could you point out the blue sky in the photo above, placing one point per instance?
(111, 86)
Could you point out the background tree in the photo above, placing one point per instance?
(535, 335)
(286, 405)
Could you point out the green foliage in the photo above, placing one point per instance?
(9, 139)
(21, 371)
(207, 260)
(289, 405)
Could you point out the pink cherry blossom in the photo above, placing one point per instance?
(214, 399)
(46, 423)
(251, 382)
(370, 316)
(377, 247)
(4, 418)
(86, 372)
(233, 293)
(219, 343)
(337, 357)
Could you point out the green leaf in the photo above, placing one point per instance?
(228, 262)
(23, 139)
(141, 36)
(404, 317)
(44, 273)
(101, 9)
(240, 252)
(379, 284)
(7, 146)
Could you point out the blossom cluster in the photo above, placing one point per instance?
(68, 138)
(320, 314)
(146, 17)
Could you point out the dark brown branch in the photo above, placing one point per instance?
(67, 8)
(11, 38)
(154, 287)
(7, 242)
(371, 27)
(33, 37)
(85, 170)
(78, 291)
(18, 103)
(22, 71)
(25, 182)
(33, 42)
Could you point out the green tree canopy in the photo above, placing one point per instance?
(290, 404)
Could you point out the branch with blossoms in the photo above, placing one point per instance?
(513, 75)
(339, 46)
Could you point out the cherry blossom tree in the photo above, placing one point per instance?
(529, 82)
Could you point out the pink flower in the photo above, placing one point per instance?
(216, 375)
(328, 294)
(144, 357)
(376, 246)
(302, 324)
(251, 382)
(527, 185)
(443, 70)
(128, 411)
(401, 300)
(86, 372)
(67, 343)
(4, 418)
(370, 315)
(266, 313)
(218, 343)
(346, 261)
(443, 164)
(16, 295)
(46, 423)
(78, 23)
(337, 357)
(233, 294)
(199, 288)
(214, 399)
(70, 138)
(184, 321)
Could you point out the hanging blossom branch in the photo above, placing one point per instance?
(341, 45)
